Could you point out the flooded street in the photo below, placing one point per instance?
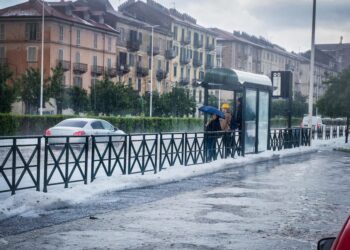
(285, 204)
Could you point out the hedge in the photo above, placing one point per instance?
(11, 124)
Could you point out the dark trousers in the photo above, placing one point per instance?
(211, 148)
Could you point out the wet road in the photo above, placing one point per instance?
(286, 204)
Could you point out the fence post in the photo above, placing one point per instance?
(45, 164)
(14, 151)
(86, 159)
(155, 155)
(38, 164)
(143, 167)
(109, 145)
(92, 158)
(186, 141)
(66, 147)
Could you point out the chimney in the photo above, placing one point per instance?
(341, 40)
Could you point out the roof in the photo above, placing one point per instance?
(231, 79)
(33, 8)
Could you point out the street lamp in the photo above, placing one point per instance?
(42, 60)
(151, 88)
(312, 65)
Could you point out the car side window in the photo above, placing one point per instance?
(97, 125)
(107, 125)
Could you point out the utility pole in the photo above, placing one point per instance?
(312, 65)
(42, 60)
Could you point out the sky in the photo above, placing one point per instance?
(283, 22)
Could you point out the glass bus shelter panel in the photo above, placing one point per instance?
(250, 120)
(263, 120)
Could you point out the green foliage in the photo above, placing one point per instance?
(34, 124)
(299, 106)
(336, 101)
(56, 89)
(77, 99)
(30, 90)
(213, 101)
(7, 91)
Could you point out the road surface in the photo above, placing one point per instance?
(286, 204)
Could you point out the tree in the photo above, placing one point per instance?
(30, 90)
(56, 88)
(103, 95)
(336, 100)
(77, 99)
(8, 91)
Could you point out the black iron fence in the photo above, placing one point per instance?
(69, 159)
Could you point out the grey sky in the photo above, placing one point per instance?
(284, 22)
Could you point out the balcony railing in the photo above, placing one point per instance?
(161, 74)
(96, 70)
(142, 71)
(64, 64)
(184, 81)
(156, 50)
(198, 44)
(79, 68)
(185, 60)
(133, 45)
(170, 54)
(186, 40)
(123, 69)
(197, 62)
(111, 72)
(210, 47)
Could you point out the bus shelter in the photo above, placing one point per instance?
(255, 91)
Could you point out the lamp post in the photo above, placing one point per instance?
(312, 65)
(42, 60)
(151, 87)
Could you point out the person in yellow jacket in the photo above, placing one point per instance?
(226, 127)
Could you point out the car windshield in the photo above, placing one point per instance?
(71, 123)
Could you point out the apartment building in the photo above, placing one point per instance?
(190, 52)
(78, 38)
(325, 68)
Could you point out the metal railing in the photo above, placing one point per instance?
(71, 159)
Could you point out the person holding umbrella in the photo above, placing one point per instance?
(212, 126)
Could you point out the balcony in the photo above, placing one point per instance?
(142, 71)
(185, 60)
(79, 68)
(64, 64)
(133, 45)
(111, 72)
(197, 62)
(210, 47)
(198, 44)
(196, 83)
(161, 74)
(156, 50)
(170, 54)
(186, 40)
(184, 81)
(96, 70)
(122, 69)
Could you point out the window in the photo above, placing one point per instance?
(95, 40)
(2, 31)
(167, 66)
(195, 74)
(77, 57)
(32, 31)
(78, 37)
(109, 63)
(77, 81)
(175, 70)
(130, 82)
(2, 53)
(94, 60)
(131, 60)
(182, 72)
(200, 96)
(138, 87)
(109, 44)
(107, 125)
(61, 33)
(97, 125)
(175, 33)
(159, 64)
(31, 54)
(72, 123)
(149, 62)
(60, 54)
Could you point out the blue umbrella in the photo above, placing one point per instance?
(212, 110)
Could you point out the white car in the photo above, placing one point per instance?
(81, 127)
(316, 122)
